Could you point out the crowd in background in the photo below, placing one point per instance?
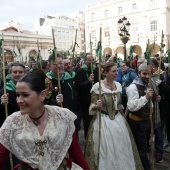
(78, 81)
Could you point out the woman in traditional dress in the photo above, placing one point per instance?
(117, 147)
(41, 136)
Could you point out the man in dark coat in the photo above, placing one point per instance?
(68, 96)
(84, 79)
(16, 70)
(1, 83)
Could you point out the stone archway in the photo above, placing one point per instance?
(9, 57)
(107, 52)
(32, 54)
(120, 52)
(138, 50)
(155, 48)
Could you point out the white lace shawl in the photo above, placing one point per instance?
(18, 134)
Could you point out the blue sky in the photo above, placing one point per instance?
(26, 11)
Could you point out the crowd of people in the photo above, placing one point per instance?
(46, 103)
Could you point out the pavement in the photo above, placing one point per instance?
(165, 165)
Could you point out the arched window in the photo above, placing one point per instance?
(33, 54)
(8, 53)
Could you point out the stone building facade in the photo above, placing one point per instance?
(64, 30)
(22, 45)
(147, 17)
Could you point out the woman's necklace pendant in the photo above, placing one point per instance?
(36, 122)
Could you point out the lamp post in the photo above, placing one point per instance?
(123, 29)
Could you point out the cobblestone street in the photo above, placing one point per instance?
(165, 165)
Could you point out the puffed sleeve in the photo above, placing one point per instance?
(134, 101)
(94, 98)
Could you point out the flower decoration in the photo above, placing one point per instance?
(48, 87)
(125, 39)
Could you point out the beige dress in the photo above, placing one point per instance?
(117, 147)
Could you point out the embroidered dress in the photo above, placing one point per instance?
(20, 136)
(117, 147)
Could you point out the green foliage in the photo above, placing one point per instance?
(39, 56)
(63, 53)
(19, 50)
(147, 54)
(82, 55)
(115, 57)
(75, 43)
(167, 59)
(15, 54)
(91, 44)
(53, 54)
(74, 47)
(132, 50)
(99, 49)
(125, 39)
(32, 58)
(26, 59)
(68, 53)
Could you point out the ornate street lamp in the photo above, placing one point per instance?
(50, 51)
(123, 29)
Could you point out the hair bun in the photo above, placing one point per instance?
(108, 64)
(39, 72)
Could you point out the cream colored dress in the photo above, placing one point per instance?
(117, 147)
